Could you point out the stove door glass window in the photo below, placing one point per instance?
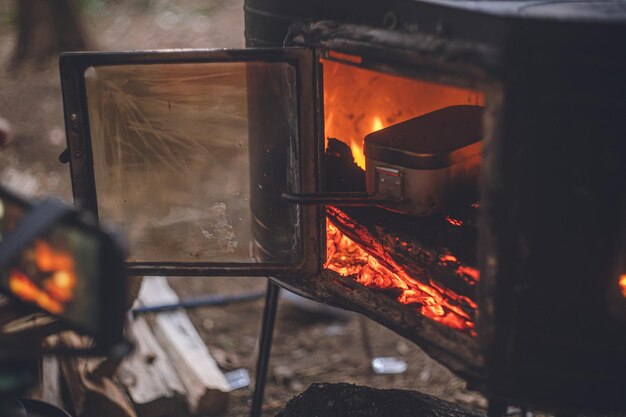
(190, 155)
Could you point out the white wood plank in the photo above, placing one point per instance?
(207, 388)
(149, 377)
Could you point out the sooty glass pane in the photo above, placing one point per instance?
(172, 158)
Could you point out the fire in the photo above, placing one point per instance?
(622, 284)
(377, 124)
(349, 259)
(358, 101)
(53, 281)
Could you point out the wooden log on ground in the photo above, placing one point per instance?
(149, 377)
(91, 397)
(51, 382)
(49, 388)
(207, 388)
(339, 400)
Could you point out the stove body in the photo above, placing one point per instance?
(549, 329)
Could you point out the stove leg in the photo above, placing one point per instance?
(496, 409)
(265, 347)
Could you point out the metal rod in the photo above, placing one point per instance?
(339, 199)
(365, 338)
(265, 347)
(209, 300)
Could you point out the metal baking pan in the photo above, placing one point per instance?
(426, 162)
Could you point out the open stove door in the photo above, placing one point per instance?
(189, 151)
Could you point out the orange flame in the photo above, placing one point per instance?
(349, 259)
(377, 124)
(57, 278)
(358, 101)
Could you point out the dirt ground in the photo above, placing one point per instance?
(307, 348)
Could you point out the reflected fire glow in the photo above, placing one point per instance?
(622, 284)
(51, 280)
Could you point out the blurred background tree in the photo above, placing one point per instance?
(47, 27)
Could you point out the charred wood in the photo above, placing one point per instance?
(429, 249)
(332, 400)
(342, 172)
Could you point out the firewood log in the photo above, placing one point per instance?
(91, 396)
(207, 388)
(149, 377)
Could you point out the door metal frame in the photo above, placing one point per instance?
(73, 66)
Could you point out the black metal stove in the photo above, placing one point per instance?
(552, 193)
(548, 238)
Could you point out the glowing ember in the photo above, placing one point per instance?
(349, 259)
(469, 272)
(622, 284)
(448, 258)
(454, 222)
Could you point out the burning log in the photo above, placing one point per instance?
(427, 248)
(332, 400)
(426, 261)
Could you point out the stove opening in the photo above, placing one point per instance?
(427, 262)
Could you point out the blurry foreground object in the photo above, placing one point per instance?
(58, 261)
(59, 272)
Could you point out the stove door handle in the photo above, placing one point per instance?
(338, 199)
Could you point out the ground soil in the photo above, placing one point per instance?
(307, 348)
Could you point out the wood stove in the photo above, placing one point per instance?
(519, 290)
